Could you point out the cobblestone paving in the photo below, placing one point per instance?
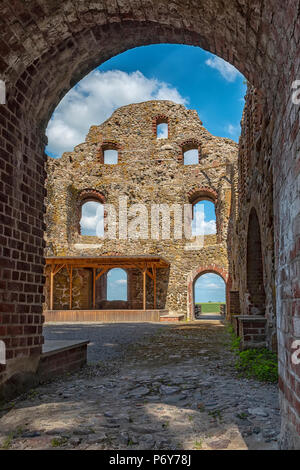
(107, 340)
(174, 389)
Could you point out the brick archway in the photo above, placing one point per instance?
(47, 47)
(203, 193)
(214, 269)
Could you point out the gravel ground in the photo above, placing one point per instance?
(106, 339)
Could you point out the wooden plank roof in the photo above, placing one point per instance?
(111, 261)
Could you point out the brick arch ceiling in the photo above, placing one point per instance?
(48, 46)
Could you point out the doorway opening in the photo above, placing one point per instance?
(209, 296)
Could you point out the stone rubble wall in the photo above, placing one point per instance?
(149, 171)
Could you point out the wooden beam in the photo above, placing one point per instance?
(150, 274)
(94, 287)
(154, 287)
(51, 289)
(144, 288)
(59, 262)
(71, 286)
(57, 268)
(103, 271)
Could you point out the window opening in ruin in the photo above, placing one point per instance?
(209, 295)
(162, 130)
(92, 219)
(191, 157)
(116, 284)
(110, 157)
(204, 218)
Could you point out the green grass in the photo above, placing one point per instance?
(198, 445)
(210, 307)
(59, 441)
(260, 364)
(6, 444)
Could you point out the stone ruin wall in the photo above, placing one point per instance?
(149, 171)
(254, 182)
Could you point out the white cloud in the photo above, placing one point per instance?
(209, 227)
(233, 131)
(94, 99)
(91, 222)
(228, 71)
(212, 285)
(200, 226)
(162, 131)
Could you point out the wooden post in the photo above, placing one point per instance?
(51, 288)
(154, 286)
(94, 287)
(144, 288)
(71, 286)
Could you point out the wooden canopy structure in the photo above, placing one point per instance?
(101, 265)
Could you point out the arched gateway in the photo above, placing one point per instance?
(47, 48)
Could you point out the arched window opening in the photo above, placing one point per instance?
(117, 284)
(255, 276)
(110, 157)
(190, 152)
(160, 126)
(209, 296)
(92, 219)
(191, 157)
(204, 218)
(162, 130)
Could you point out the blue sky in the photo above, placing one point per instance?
(209, 288)
(185, 74)
(117, 284)
(218, 98)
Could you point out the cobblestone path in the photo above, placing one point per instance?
(175, 388)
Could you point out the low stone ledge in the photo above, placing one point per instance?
(171, 318)
(60, 357)
(251, 329)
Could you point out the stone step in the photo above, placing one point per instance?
(171, 317)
